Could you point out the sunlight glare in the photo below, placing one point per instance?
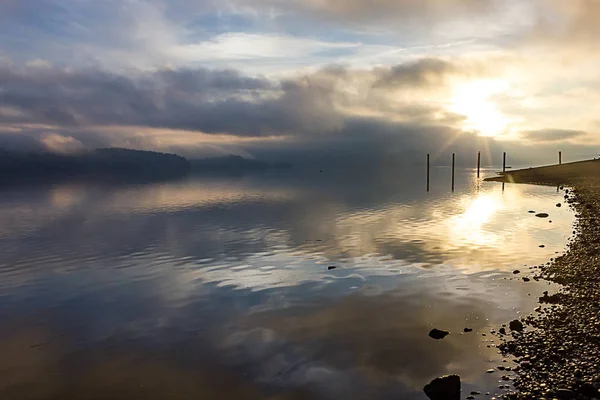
(471, 99)
(480, 210)
(468, 227)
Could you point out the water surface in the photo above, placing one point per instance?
(220, 287)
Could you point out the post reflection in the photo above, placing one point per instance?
(105, 288)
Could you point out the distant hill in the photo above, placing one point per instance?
(233, 163)
(104, 164)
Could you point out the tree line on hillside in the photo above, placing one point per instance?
(111, 163)
(116, 164)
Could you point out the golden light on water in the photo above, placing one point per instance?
(469, 226)
(472, 99)
(480, 210)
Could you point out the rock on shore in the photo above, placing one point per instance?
(560, 358)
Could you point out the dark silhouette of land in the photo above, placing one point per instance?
(117, 165)
(101, 164)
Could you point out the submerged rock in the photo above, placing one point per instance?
(438, 334)
(467, 330)
(558, 205)
(444, 388)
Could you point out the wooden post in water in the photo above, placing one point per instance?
(559, 157)
(478, 163)
(428, 172)
(503, 169)
(453, 158)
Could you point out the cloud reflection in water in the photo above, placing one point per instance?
(231, 273)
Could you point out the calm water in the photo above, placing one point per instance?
(219, 287)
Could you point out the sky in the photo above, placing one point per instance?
(303, 80)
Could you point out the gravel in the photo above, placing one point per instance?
(558, 351)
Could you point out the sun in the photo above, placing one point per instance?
(471, 99)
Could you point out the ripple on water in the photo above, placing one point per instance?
(238, 269)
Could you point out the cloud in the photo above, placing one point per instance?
(361, 10)
(88, 33)
(250, 34)
(212, 101)
(194, 98)
(333, 114)
(244, 46)
(552, 135)
(21, 142)
(328, 112)
(61, 144)
(426, 72)
(431, 72)
(569, 24)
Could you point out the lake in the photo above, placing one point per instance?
(277, 285)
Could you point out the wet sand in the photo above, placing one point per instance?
(558, 351)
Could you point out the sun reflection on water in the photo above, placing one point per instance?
(469, 226)
(289, 279)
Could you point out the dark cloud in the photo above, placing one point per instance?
(211, 101)
(200, 79)
(361, 10)
(552, 135)
(193, 99)
(22, 142)
(433, 73)
(314, 112)
(321, 120)
(426, 72)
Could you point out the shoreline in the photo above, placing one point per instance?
(559, 348)
(551, 174)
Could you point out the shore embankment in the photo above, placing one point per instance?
(558, 348)
(551, 174)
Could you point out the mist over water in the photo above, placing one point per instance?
(221, 285)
